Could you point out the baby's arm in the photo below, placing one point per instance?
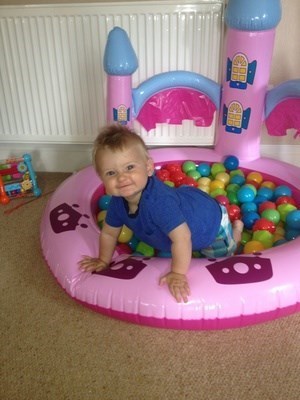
(181, 257)
(107, 243)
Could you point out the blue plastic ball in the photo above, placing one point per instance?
(293, 219)
(103, 202)
(291, 234)
(204, 169)
(259, 199)
(245, 194)
(282, 190)
(231, 163)
(238, 179)
(247, 207)
(265, 192)
(249, 219)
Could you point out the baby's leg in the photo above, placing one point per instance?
(237, 228)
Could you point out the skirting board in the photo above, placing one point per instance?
(73, 157)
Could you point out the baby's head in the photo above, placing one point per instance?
(116, 138)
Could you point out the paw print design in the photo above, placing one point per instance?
(127, 268)
(65, 218)
(238, 270)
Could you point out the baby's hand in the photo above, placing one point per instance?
(178, 286)
(89, 264)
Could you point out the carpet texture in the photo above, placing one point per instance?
(53, 348)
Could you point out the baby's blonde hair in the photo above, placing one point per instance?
(117, 137)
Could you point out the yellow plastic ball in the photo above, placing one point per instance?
(223, 177)
(216, 184)
(125, 235)
(253, 246)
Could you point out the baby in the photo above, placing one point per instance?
(178, 220)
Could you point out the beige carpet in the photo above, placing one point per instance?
(53, 348)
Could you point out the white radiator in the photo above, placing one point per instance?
(52, 83)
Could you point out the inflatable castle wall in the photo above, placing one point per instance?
(242, 101)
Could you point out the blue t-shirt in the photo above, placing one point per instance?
(163, 208)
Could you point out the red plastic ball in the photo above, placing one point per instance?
(264, 224)
(266, 205)
(285, 200)
(163, 174)
(221, 199)
(234, 212)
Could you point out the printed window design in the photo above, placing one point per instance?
(240, 72)
(121, 114)
(235, 118)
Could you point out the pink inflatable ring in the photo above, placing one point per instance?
(225, 293)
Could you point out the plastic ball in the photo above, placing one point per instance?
(280, 230)
(247, 207)
(223, 177)
(279, 242)
(204, 188)
(189, 181)
(123, 248)
(236, 172)
(177, 177)
(293, 219)
(265, 237)
(246, 237)
(216, 184)
(259, 200)
(232, 197)
(144, 249)
(163, 174)
(204, 181)
(265, 192)
(234, 212)
(272, 215)
(245, 194)
(217, 192)
(282, 190)
(268, 184)
(204, 169)
(169, 183)
(125, 235)
(292, 234)
(252, 187)
(253, 246)
(231, 163)
(237, 179)
(284, 210)
(172, 167)
(194, 174)
(232, 187)
(249, 219)
(266, 205)
(188, 166)
(133, 242)
(255, 177)
(263, 224)
(101, 217)
(216, 168)
(285, 200)
(277, 237)
(103, 202)
(222, 199)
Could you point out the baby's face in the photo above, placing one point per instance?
(124, 172)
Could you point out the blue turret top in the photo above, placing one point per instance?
(119, 56)
(253, 15)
